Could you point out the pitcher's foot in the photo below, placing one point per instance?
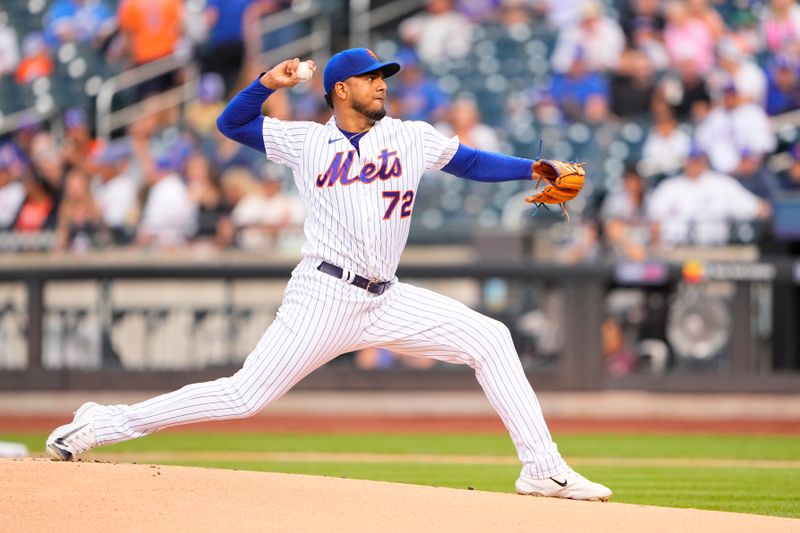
(570, 485)
(70, 440)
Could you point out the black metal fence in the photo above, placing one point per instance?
(695, 327)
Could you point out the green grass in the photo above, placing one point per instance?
(594, 445)
(774, 491)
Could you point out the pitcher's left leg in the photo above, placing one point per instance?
(420, 322)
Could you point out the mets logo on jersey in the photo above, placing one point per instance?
(339, 170)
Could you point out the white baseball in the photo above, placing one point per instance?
(304, 71)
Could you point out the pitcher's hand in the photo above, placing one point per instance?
(283, 74)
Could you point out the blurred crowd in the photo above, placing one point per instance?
(169, 180)
(703, 78)
(164, 185)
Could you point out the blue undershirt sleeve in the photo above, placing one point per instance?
(480, 165)
(241, 120)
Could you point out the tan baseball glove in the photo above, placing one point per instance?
(564, 182)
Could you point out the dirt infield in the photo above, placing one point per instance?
(41, 495)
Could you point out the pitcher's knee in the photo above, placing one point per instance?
(497, 344)
(242, 403)
(500, 333)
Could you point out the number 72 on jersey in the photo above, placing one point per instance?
(395, 198)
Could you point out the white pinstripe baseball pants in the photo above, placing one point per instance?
(322, 317)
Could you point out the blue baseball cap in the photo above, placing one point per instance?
(113, 152)
(74, 117)
(211, 87)
(354, 62)
(696, 152)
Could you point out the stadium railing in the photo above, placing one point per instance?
(109, 120)
(313, 20)
(365, 17)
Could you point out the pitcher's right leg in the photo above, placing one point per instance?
(313, 326)
(280, 360)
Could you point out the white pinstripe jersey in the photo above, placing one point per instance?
(358, 205)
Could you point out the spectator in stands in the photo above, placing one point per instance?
(697, 207)
(560, 13)
(666, 146)
(641, 14)
(139, 134)
(647, 39)
(783, 85)
(29, 125)
(579, 91)
(38, 211)
(287, 207)
(152, 30)
(478, 11)
(116, 192)
(545, 108)
(622, 214)
(439, 33)
(686, 92)
(580, 243)
(12, 191)
(790, 179)
(168, 216)
(754, 176)
(632, 85)
(598, 39)
(155, 131)
(80, 224)
(702, 11)
(202, 113)
(229, 154)
(78, 140)
(214, 223)
(47, 164)
(741, 71)
(688, 38)
(744, 30)
(36, 62)
(732, 127)
(229, 21)
(9, 46)
(464, 120)
(262, 212)
(79, 21)
(416, 95)
(780, 27)
(620, 359)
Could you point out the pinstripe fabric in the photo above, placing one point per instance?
(320, 318)
(351, 224)
(345, 225)
(419, 322)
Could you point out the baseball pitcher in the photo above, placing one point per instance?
(358, 176)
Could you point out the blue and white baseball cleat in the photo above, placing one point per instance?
(570, 485)
(66, 442)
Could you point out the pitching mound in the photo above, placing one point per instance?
(41, 495)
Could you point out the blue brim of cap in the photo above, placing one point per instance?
(389, 69)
